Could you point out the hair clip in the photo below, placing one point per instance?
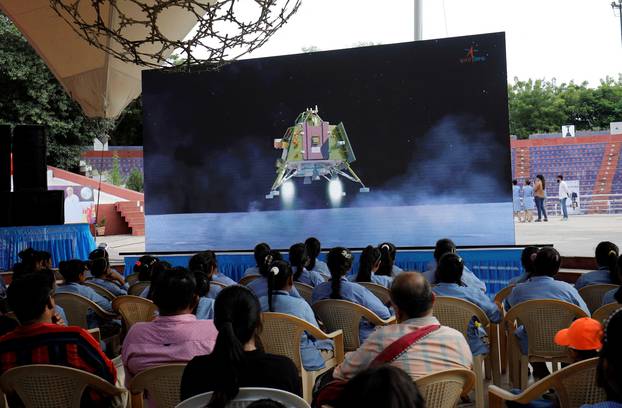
(346, 254)
(612, 252)
(386, 246)
(268, 259)
(274, 270)
(137, 263)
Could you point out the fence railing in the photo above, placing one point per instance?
(589, 204)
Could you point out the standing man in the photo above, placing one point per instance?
(564, 194)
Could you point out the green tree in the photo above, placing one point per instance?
(135, 180)
(115, 173)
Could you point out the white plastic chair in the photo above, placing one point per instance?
(246, 396)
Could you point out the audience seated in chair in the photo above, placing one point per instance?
(384, 386)
(143, 267)
(468, 278)
(449, 277)
(606, 257)
(615, 295)
(542, 285)
(280, 281)
(260, 253)
(39, 340)
(443, 349)
(102, 253)
(339, 287)
(387, 262)
(260, 285)
(103, 276)
(609, 371)
(527, 259)
(206, 263)
(369, 263)
(299, 261)
(314, 247)
(204, 310)
(175, 335)
(158, 269)
(236, 360)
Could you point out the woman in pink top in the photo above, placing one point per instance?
(175, 336)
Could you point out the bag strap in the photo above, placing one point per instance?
(402, 344)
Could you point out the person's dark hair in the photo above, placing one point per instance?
(99, 253)
(527, 182)
(527, 259)
(547, 262)
(204, 262)
(618, 295)
(237, 317)
(541, 178)
(298, 257)
(370, 256)
(29, 295)
(449, 268)
(270, 256)
(607, 254)
(261, 250)
(144, 267)
(71, 270)
(158, 269)
(442, 247)
(314, 247)
(265, 403)
(609, 370)
(279, 274)
(339, 260)
(413, 296)
(515, 182)
(43, 256)
(585, 354)
(383, 386)
(202, 283)
(28, 259)
(98, 267)
(559, 176)
(174, 291)
(388, 251)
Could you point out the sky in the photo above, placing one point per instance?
(564, 39)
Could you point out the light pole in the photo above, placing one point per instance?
(617, 10)
(419, 20)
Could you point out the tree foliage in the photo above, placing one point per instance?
(135, 180)
(539, 106)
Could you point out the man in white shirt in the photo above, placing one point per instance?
(564, 194)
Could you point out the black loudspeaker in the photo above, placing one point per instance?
(29, 164)
(33, 208)
(5, 158)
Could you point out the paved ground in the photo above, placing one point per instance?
(576, 237)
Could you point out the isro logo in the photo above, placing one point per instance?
(471, 56)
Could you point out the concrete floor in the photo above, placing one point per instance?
(576, 237)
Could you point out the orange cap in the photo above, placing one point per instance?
(583, 334)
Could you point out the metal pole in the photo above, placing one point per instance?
(418, 20)
(618, 6)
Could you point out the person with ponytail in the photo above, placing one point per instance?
(299, 260)
(280, 281)
(237, 361)
(260, 252)
(339, 262)
(260, 285)
(615, 295)
(449, 276)
(469, 279)
(606, 255)
(527, 258)
(369, 263)
(204, 309)
(206, 263)
(314, 247)
(387, 261)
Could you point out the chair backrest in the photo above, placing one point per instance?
(443, 389)
(134, 309)
(542, 319)
(219, 284)
(593, 295)
(338, 314)
(47, 386)
(458, 313)
(502, 294)
(100, 290)
(306, 291)
(602, 313)
(138, 288)
(132, 278)
(162, 383)
(248, 279)
(379, 291)
(246, 396)
(76, 308)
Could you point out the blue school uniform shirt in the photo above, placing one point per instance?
(516, 193)
(519, 279)
(353, 292)
(381, 280)
(543, 287)
(110, 286)
(396, 270)
(601, 275)
(252, 271)
(145, 292)
(322, 268)
(474, 334)
(205, 308)
(604, 404)
(87, 292)
(224, 279)
(310, 348)
(610, 297)
(311, 278)
(528, 201)
(469, 279)
(61, 313)
(214, 290)
(260, 288)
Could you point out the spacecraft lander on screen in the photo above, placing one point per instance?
(315, 150)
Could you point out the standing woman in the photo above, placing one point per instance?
(528, 203)
(539, 195)
(516, 204)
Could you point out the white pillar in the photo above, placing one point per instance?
(418, 20)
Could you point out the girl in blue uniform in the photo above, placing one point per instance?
(207, 263)
(516, 204)
(280, 282)
(339, 262)
(449, 278)
(260, 285)
(204, 309)
(606, 255)
(314, 248)
(300, 261)
(387, 262)
(527, 258)
(369, 262)
(260, 252)
(442, 247)
(528, 201)
(615, 295)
